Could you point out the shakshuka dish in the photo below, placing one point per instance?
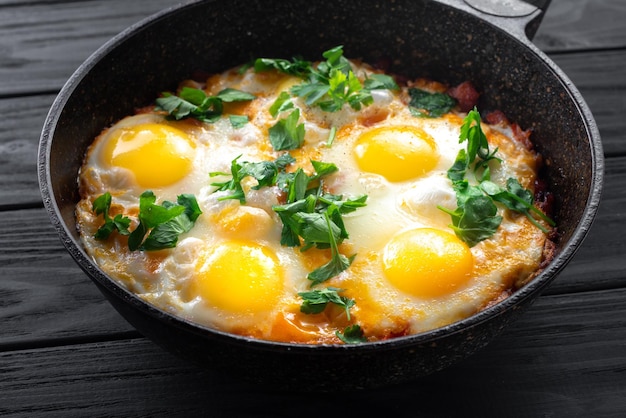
(321, 202)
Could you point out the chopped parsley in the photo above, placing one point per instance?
(475, 218)
(429, 105)
(315, 301)
(310, 216)
(331, 84)
(287, 133)
(518, 199)
(352, 334)
(297, 66)
(266, 173)
(195, 103)
(159, 225)
(101, 206)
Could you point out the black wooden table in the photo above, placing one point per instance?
(65, 352)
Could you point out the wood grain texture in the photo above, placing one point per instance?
(599, 263)
(41, 46)
(520, 374)
(601, 79)
(23, 118)
(582, 25)
(44, 296)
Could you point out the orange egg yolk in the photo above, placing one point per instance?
(427, 262)
(240, 277)
(398, 153)
(157, 154)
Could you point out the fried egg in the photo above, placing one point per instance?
(410, 272)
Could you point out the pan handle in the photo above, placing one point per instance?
(517, 10)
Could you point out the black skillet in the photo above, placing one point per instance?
(448, 40)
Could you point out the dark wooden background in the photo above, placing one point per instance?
(65, 352)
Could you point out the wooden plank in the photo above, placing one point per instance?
(523, 373)
(43, 293)
(599, 76)
(22, 120)
(599, 262)
(582, 25)
(41, 46)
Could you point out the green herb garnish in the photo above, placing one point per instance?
(238, 121)
(102, 206)
(338, 261)
(194, 103)
(330, 84)
(281, 104)
(287, 133)
(518, 199)
(475, 218)
(316, 221)
(159, 225)
(429, 105)
(352, 334)
(310, 217)
(315, 301)
(162, 223)
(265, 172)
(296, 67)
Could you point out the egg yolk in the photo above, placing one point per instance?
(244, 222)
(157, 154)
(398, 153)
(427, 262)
(240, 277)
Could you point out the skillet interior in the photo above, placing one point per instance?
(419, 38)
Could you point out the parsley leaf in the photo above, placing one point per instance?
(196, 104)
(380, 82)
(296, 67)
(323, 169)
(315, 301)
(311, 91)
(233, 184)
(101, 206)
(332, 134)
(163, 223)
(282, 103)
(238, 121)
(518, 199)
(331, 84)
(338, 261)
(345, 88)
(310, 217)
(429, 105)
(456, 173)
(477, 145)
(265, 173)
(352, 334)
(475, 218)
(287, 133)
